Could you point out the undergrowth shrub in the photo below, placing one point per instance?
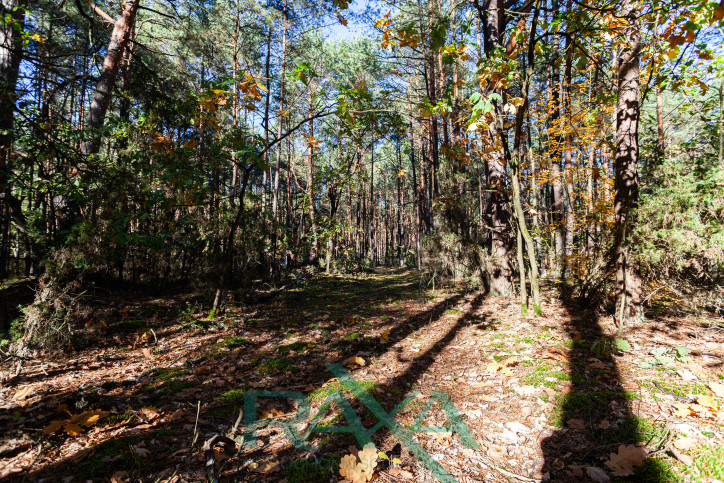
(680, 235)
(53, 319)
(448, 256)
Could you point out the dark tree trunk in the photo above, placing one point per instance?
(626, 200)
(11, 52)
(501, 281)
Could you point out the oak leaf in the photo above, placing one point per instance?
(628, 456)
(150, 412)
(72, 429)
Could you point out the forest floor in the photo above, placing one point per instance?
(544, 397)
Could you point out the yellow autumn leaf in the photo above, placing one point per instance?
(493, 367)
(72, 429)
(708, 402)
(682, 410)
(717, 388)
(95, 415)
(385, 336)
(356, 360)
(52, 427)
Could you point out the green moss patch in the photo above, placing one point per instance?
(275, 366)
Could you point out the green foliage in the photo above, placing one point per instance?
(659, 356)
(607, 346)
(276, 366)
(323, 392)
(680, 237)
(299, 346)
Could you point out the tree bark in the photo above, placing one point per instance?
(310, 183)
(555, 141)
(277, 167)
(661, 141)
(568, 148)
(101, 99)
(11, 52)
(501, 283)
(626, 183)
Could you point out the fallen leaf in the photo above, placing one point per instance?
(686, 374)
(23, 393)
(525, 390)
(267, 467)
(598, 475)
(628, 456)
(575, 471)
(385, 336)
(604, 424)
(682, 410)
(89, 418)
(405, 474)
(150, 412)
(72, 429)
(52, 427)
(684, 443)
(708, 402)
(717, 388)
(577, 424)
(362, 471)
(356, 360)
(142, 452)
(517, 427)
(147, 353)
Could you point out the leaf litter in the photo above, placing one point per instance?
(520, 384)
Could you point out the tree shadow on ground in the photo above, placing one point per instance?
(180, 389)
(595, 414)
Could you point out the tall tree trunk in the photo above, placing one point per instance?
(522, 233)
(265, 121)
(277, 167)
(555, 141)
(310, 183)
(721, 123)
(417, 194)
(101, 99)
(626, 199)
(11, 52)
(568, 146)
(501, 282)
(661, 141)
(371, 230)
(235, 103)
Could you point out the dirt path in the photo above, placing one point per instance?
(544, 397)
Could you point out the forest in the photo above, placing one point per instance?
(481, 239)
